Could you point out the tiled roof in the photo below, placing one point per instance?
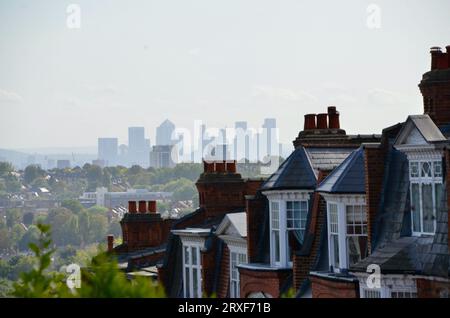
(349, 177)
(294, 173)
(327, 158)
(425, 126)
(237, 220)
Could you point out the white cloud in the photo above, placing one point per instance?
(195, 51)
(11, 97)
(283, 93)
(382, 97)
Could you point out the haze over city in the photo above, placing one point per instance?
(139, 63)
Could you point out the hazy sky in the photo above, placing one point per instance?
(136, 63)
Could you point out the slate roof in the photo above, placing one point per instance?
(237, 220)
(394, 249)
(427, 128)
(327, 158)
(349, 177)
(294, 173)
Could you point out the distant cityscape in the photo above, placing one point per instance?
(172, 145)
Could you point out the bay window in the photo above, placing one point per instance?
(192, 278)
(347, 231)
(427, 191)
(236, 258)
(287, 227)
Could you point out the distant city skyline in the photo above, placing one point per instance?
(210, 61)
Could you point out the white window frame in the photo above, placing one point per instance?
(420, 181)
(283, 231)
(241, 258)
(341, 202)
(191, 267)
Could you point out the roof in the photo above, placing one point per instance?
(348, 177)
(237, 222)
(424, 125)
(394, 248)
(327, 158)
(295, 172)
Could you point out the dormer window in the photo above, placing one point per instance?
(288, 216)
(426, 188)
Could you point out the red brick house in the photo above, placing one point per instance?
(344, 216)
(387, 206)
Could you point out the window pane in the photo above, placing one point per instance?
(357, 248)
(335, 243)
(426, 169)
(276, 243)
(437, 169)
(439, 196)
(415, 207)
(195, 281)
(194, 256)
(414, 169)
(187, 282)
(186, 255)
(427, 204)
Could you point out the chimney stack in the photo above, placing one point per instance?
(220, 166)
(132, 207)
(152, 206)
(448, 55)
(333, 118)
(310, 122)
(142, 206)
(110, 240)
(231, 166)
(435, 53)
(322, 121)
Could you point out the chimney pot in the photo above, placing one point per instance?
(132, 207)
(110, 240)
(322, 121)
(220, 166)
(231, 166)
(152, 206)
(333, 118)
(142, 206)
(310, 122)
(435, 57)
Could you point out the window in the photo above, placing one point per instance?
(356, 220)
(236, 259)
(288, 224)
(371, 293)
(347, 234)
(192, 277)
(426, 194)
(333, 225)
(403, 294)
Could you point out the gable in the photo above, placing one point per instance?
(415, 138)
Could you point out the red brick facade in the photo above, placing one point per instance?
(331, 288)
(269, 282)
(432, 289)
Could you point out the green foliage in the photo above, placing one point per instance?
(32, 172)
(39, 282)
(98, 227)
(73, 205)
(13, 216)
(31, 236)
(101, 279)
(97, 210)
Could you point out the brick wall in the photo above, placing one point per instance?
(328, 288)
(224, 279)
(255, 208)
(374, 163)
(268, 282)
(208, 261)
(447, 165)
(432, 289)
(302, 264)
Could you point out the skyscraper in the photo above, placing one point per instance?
(241, 142)
(268, 141)
(138, 151)
(108, 150)
(164, 133)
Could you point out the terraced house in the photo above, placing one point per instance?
(343, 216)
